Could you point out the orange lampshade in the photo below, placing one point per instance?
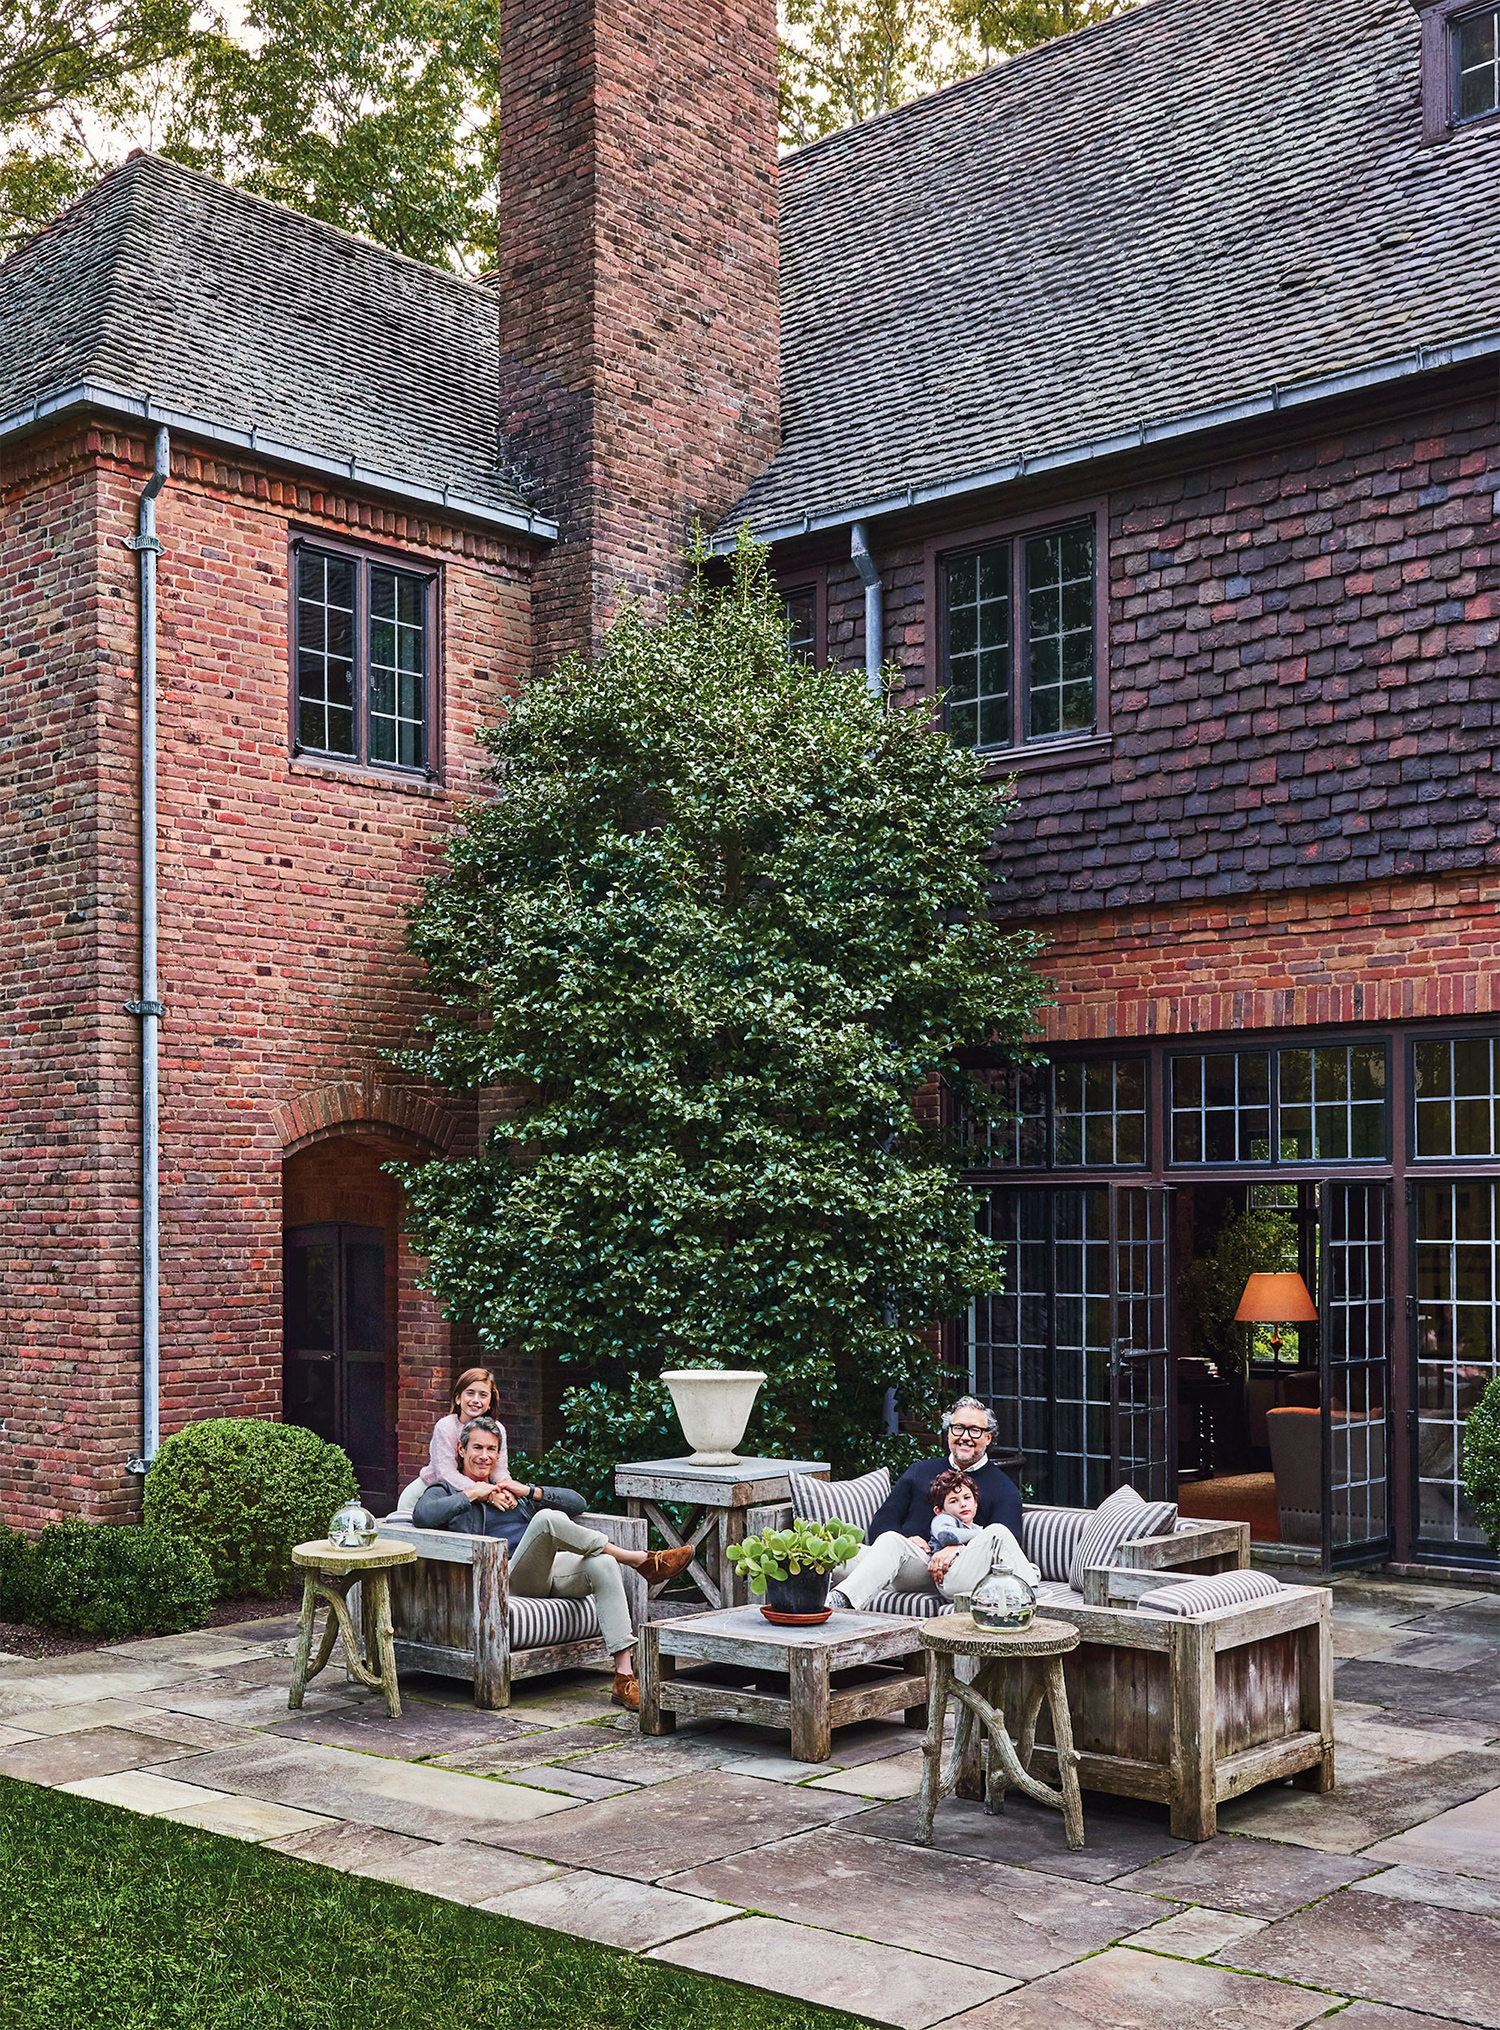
(1275, 1300)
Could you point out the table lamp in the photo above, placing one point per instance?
(1275, 1300)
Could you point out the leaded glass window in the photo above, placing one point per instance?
(802, 624)
(1099, 1111)
(1060, 632)
(979, 649)
(1020, 1142)
(1458, 1096)
(362, 654)
(1458, 1345)
(1332, 1103)
(1476, 48)
(1221, 1107)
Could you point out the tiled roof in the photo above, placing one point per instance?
(161, 285)
(1184, 209)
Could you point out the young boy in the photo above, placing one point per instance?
(955, 1503)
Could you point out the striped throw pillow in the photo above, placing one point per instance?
(917, 1606)
(534, 1624)
(1202, 1596)
(1049, 1537)
(1119, 1520)
(848, 1501)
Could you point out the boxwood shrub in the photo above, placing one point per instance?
(245, 1492)
(111, 1580)
(1481, 1456)
(15, 1575)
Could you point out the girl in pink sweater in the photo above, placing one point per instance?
(474, 1395)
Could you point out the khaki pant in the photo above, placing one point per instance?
(560, 1560)
(893, 1564)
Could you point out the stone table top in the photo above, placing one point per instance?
(376, 1557)
(735, 1485)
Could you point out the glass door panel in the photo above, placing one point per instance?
(1354, 1338)
(1142, 1440)
(1458, 1327)
(334, 1346)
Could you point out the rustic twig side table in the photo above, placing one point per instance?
(1042, 1646)
(721, 1503)
(329, 1574)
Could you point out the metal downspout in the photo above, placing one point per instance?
(148, 1007)
(864, 563)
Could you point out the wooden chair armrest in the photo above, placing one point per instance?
(1205, 1547)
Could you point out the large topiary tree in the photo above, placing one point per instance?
(721, 932)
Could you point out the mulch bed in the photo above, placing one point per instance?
(23, 1638)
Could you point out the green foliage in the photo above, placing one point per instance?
(782, 1554)
(15, 1575)
(726, 921)
(246, 1491)
(112, 1580)
(373, 115)
(1210, 1286)
(1481, 1458)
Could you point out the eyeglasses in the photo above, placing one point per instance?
(968, 1430)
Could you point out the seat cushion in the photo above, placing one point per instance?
(849, 1501)
(1202, 1596)
(918, 1606)
(1049, 1537)
(1057, 1593)
(534, 1624)
(1119, 1520)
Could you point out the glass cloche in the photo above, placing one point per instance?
(1002, 1600)
(352, 1527)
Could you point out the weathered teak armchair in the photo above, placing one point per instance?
(453, 1614)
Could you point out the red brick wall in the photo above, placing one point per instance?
(282, 890)
(637, 281)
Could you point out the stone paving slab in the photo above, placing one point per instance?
(100, 1751)
(58, 1682)
(611, 1910)
(8, 1735)
(1257, 1878)
(524, 1750)
(460, 1871)
(1479, 1615)
(142, 1790)
(1435, 1885)
(199, 1649)
(1377, 2016)
(240, 1705)
(348, 1848)
(779, 1769)
(403, 1797)
(1467, 1839)
(421, 1733)
(192, 1732)
(1126, 1990)
(1442, 1650)
(74, 1718)
(671, 1826)
(1199, 1934)
(1363, 1809)
(1009, 1921)
(567, 1782)
(1031, 1835)
(902, 1988)
(1380, 1949)
(246, 1818)
(1417, 1698)
(663, 1758)
(896, 1776)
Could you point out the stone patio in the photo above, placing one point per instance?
(712, 1850)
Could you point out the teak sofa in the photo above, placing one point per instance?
(1188, 1712)
(453, 1614)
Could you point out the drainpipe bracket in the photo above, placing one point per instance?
(142, 543)
(156, 1008)
(136, 1466)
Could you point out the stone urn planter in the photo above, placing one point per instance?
(713, 1406)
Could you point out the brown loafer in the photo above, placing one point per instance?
(627, 1691)
(662, 1565)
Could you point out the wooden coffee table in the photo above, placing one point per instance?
(736, 1665)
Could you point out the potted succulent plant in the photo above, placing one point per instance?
(791, 1567)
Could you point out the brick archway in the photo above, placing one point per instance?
(366, 1107)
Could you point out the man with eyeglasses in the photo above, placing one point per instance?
(899, 1556)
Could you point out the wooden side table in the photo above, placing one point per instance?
(719, 1501)
(330, 1572)
(1042, 1646)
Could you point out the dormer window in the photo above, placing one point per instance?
(1476, 64)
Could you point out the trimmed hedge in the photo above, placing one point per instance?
(1481, 1457)
(112, 1580)
(246, 1491)
(15, 1569)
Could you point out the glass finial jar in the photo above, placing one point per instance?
(352, 1527)
(1001, 1600)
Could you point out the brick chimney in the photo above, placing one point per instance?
(636, 278)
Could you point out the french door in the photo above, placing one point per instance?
(1354, 1349)
(334, 1346)
(1074, 1356)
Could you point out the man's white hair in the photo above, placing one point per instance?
(971, 1403)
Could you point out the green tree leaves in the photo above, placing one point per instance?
(721, 931)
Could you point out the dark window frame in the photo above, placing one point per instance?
(1440, 22)
(1272, 1044)
(364, 556)
(1060, 1169)
(815, 581)
(1025, 750)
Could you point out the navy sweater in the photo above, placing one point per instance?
(908, 1506)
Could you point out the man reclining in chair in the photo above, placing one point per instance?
(551, 1555)
(899, 1556)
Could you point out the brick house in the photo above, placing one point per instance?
(1139, 395)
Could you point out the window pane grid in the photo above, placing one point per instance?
(979, 648)
(1060, 632)
(1477, 45)
(1086, 1113)
(802, 624)
(1458, 1097)
(1458, 1329)
(361, 694)
(398, 664)
(325, 652)
(1329, 1105)
(1332, 1103)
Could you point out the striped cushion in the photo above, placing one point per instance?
(534, 1624)
(1117, 1521)
(850, 1501)
(917, 1606)
(1049, 1537)
(1202, 1596)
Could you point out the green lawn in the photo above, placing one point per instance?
(118, 1922)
